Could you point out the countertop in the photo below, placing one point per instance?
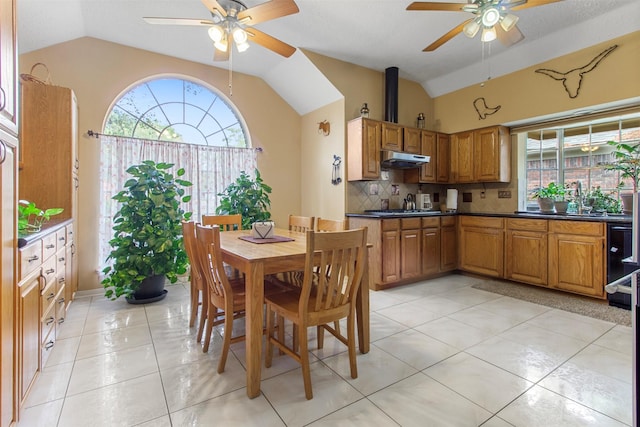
(609, 218)
(48, 228)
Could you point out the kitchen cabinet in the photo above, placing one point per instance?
(8, 71)
(448, 243)
(412, 140)
(526, 251)
(390, 250)
(577, 257)
(391, 136)
(49, 122)
(8, 271)
(482, 245)
(363, 148)
(410, 244)
(482, 155)
(443, 157)
(430, 246)
(427, 172)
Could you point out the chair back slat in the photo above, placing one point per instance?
(329, 224)
(301, 223)
(225, 222)
(210, 257)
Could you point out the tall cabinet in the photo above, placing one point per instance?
(8, 200)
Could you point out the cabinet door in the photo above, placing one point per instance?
(430, 251)
(29, 331)
(526, 253)
(391, 136)
(411, 141)
(481, 250)
(576, 263)
(410, 253)
(390, 256)
(491, 156)
(8, 68)
(448, 249)
(462, 157)
(443, 157)
(8, 198)
(428, 148)
(363, 144)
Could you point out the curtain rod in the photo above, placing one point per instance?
(98, 135)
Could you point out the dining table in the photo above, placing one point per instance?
(256, 260)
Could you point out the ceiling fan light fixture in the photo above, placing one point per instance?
(216, 33)
(242, 46)
(488, 34)
(490, 17)
(471, 28)
(508, 21)
(222, 45)
(239, 35)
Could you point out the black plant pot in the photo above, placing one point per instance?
(150, 290)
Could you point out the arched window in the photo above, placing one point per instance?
(177, 110)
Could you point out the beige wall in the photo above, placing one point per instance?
(100, 71)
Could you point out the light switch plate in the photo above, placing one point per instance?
(504, 194)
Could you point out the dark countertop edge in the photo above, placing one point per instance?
(532, 215)
(48, 228)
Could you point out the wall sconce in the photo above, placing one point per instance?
(324, 127)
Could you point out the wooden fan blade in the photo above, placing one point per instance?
(442, 40)
(177, 21)
(214, 7)
(426, 5)
(269, 42)
(533, 3)
(269, 10)
(509, 38)
(220, 56)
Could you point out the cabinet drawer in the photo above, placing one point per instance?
(61, 237)
(49, 270)
(447, 221)
(430, 222)
(583, 228)
(48, 323)
(390, 224)
(410, 223)
(49, 246)
(47, 297)
(47, 344)
(527, 224)
(30, 258)
(61, 268)
(60, 308)
(485, 222)
(69, 231)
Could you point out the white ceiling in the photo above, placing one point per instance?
(372, 33)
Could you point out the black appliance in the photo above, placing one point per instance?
(619, 252)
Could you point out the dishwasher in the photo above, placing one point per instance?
(619, 261)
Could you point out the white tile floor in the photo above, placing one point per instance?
(442, 354)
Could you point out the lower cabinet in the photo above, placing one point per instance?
(526, 251)
(482, 245)
(29, 332)
(430, 246)
(390, 250)
(448, 243)
(410, 255)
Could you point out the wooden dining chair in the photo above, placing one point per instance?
(323, 298)
(301, 223)
(226, 222)
(197, 288)
(329, 224)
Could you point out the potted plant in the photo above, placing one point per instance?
(626, 160)
(147, 242)
(548, 195)
(603, 202)
(31, 218)
(248, 197)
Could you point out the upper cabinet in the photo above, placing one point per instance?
(482, 155)
(412, 142)
(8, 67)
(391, 134)
(436, 146)
(363, 140)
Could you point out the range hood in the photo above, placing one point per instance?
(396, 160)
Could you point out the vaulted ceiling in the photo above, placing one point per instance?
(372, 33)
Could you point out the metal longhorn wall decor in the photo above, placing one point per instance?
(480, 104)
(572, 79)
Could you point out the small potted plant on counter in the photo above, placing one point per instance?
(31, 218)
(549, 195)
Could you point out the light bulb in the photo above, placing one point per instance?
(508, 22)
(488, 34)
(490, 17)
(471, 28)
(216, 33)
(242, 46)
(239, 35)
(221, 45)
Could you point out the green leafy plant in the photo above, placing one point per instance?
(626, 161)
(147, 238)
(552, 191)
(31, 218)
(603, 202)
(247, 197)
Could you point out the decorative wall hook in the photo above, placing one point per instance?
(324, 127)
(335, 175)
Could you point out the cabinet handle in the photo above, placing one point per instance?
(77, 182)
(4, 100)
(61, 280)
(50, 271)
(61, 239)
(61, 300)
(77, 164)
(50, 320)
(73, 249)
(50, 246)
(61, 259)
(50, 296)
(33, 258)
(61, 321)
(48, 345)
(3, 151)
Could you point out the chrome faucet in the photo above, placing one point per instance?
(578, 186)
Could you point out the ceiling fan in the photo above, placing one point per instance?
(233, 22)
(492, 16)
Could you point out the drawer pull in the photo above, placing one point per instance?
(50, 296)
(49, 321)
(50, 271)
(61, 238)
(50, 246)
(33, 258)
(61, 280)
(61, 300)
(48, 345)
(61, 259)
(61, 321)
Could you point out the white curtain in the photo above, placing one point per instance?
(210, 169)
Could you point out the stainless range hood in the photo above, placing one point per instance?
(397, 160)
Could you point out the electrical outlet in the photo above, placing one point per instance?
(504, 194)
(483, 195)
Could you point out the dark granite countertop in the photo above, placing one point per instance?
(614, 218)
(48, 228)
